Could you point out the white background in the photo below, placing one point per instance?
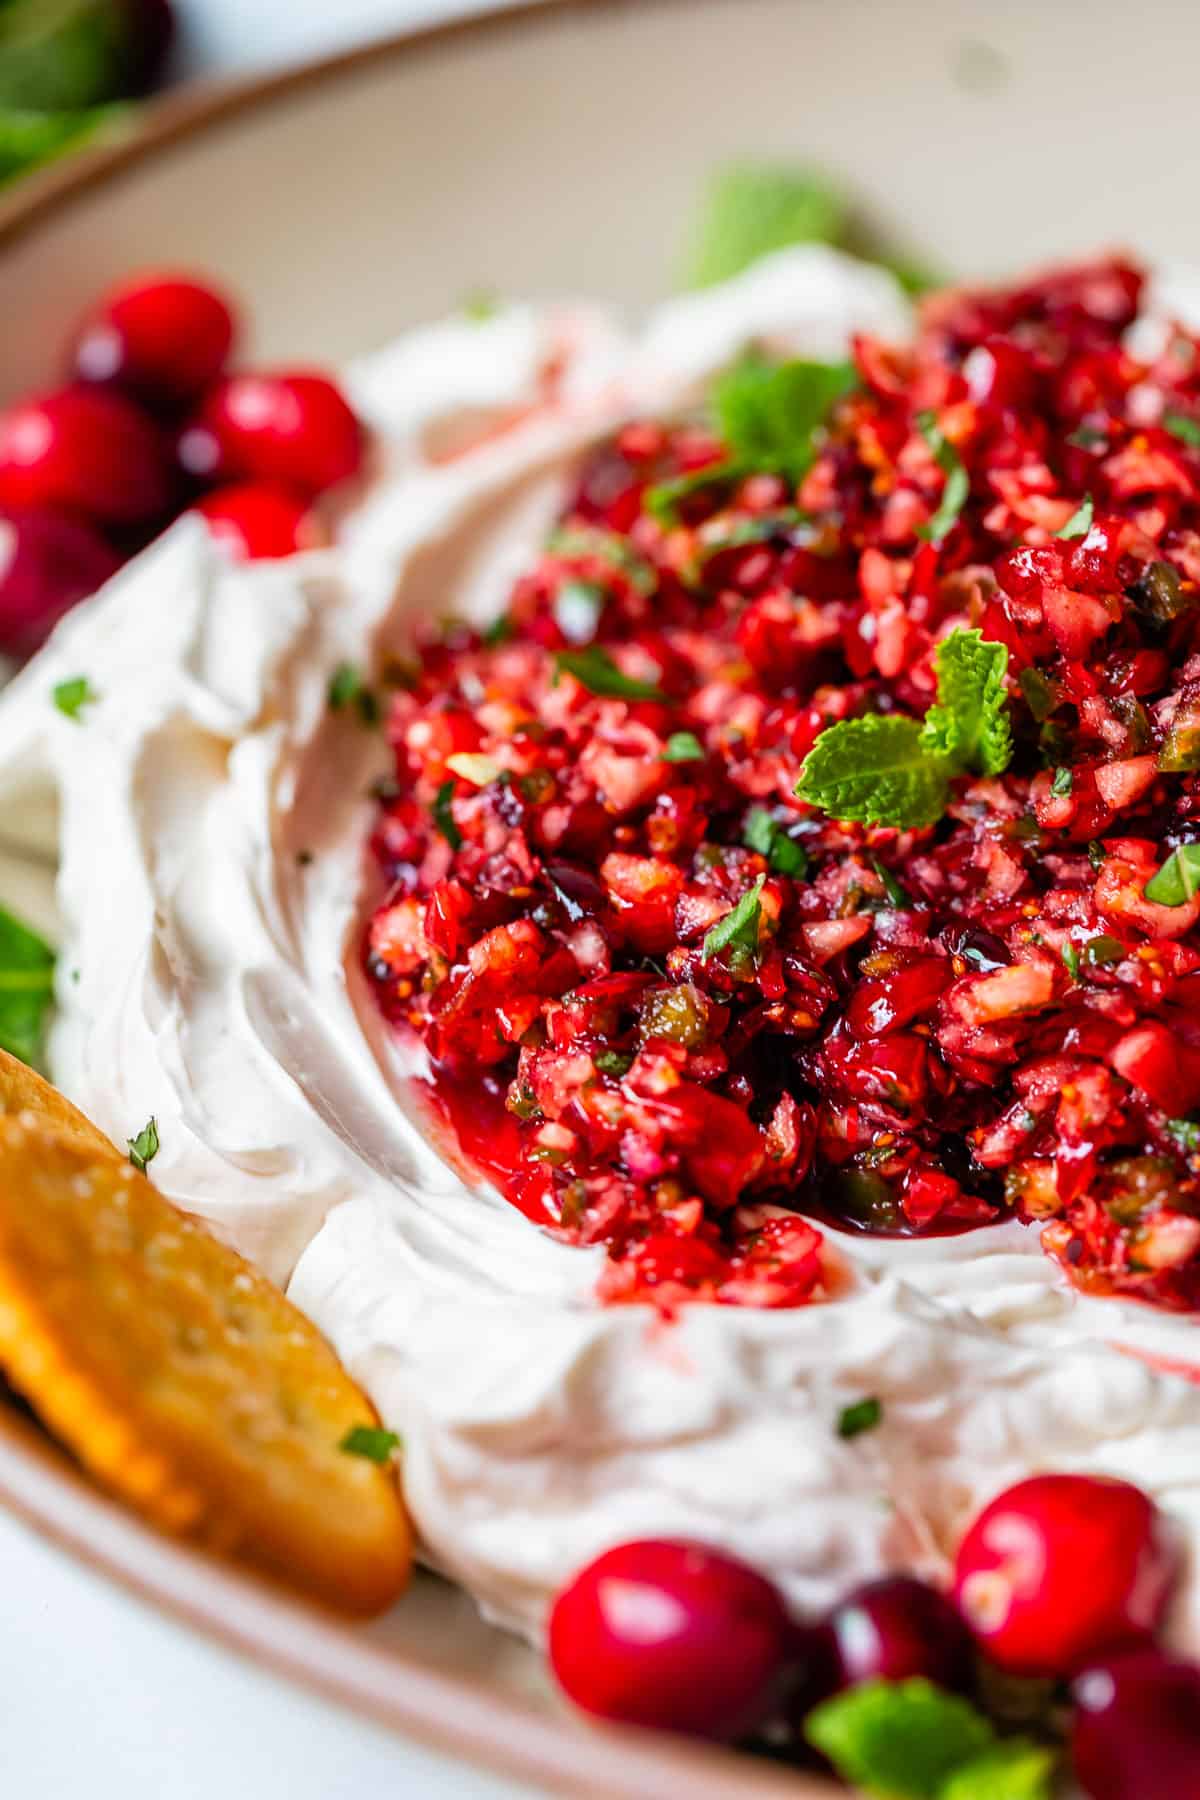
(101, 1697)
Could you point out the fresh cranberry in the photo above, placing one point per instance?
(256, 521)
(86, 449)
(1061, 1568)
(149, 32)
(165, 337)
(891, 1629)
(48, 561)
(292, 428)
(671, 1635)
(1136, 1730)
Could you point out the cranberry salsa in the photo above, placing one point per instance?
(817, 833)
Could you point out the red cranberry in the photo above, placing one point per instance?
(292, 428)
(165, 337)
(1136, 1732)
(48, 561)
(85, 449)
(1061, 1568)
(671, 1635)
(891, 1629)
(255, 520)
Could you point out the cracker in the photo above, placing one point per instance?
(22, 1089)
(180, 1377)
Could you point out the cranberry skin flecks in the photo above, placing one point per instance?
(87, 450)
(162, 337)
(1060, 1569)
(1136, 1728)
(671, 1635)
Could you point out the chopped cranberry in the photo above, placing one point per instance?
(1136, 1729)
(48, 561)
(87, 450)
(165, 337)
(1061, 1568)
(293, 428)
(897, 1627)
(254, 520)
(671, 1635)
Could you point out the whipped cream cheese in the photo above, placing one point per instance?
(209, 814)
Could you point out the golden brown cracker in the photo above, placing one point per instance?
(22, 1089)
(181, 1378)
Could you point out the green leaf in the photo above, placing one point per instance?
(738, 927)
(28, 139)
(26, 988)
(71, 696)
(1185, 1132)
(59, 55)
(902, 1739)
(766, 835)
(683, 746)
(347, 688)
(443, 818)
(497, 633)
(664, 501)
(876, 770)
(1178, 878)
(1012, 1770)
(613, 1062)
(1070, 956)
(1041, 695)
(767, 412)
(1185, 429)
(1080, 521)
(958, 483)
(144, 1147)
(968, 723)
(896, 896)
(370, 1441)
(861, 1415)
(753, 209)
(595, 669)
(1064, 781)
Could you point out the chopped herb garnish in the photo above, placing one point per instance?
(888, 769)
(1063, 781)
(683, 746)
(861, 1415)
(739, 927)
(911, 1740)
(498, 632)
(766, 835)
(613, 1062)
(1102, 950)
(1070, 956)
(26, 988)
(144, 1147)
(72, 696)
(1080, 521)
(752, 209)
(443, 818)
(371, 1441)
(347, 688)
(957, 489)
(1181, 426)
(895, 894)
(664, 501)
(595, 670)
(1096, 854)
(1186, 1134)
(1041, 694)
(767, 412)
(1178, 879)
(1088, 437)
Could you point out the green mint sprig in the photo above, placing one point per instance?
(889, 769)
(26, 988)
(958, 483)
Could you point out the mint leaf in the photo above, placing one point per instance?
(1178, 878)
(738, 927)
(958, 482)
(683, 746)
(1064, 781)
(371, 1441)
(663, 502)
(26, 988)
(767, 412)
(1080, 521)
(144, 1147)
(968, 723)
(71, 696)
(901, 1739)
(763, 833)
(861, 1415)
(347, 688)
(443, 818)
(1012, 1770)
(1185, 429)
(498, 632)
(595, 669)
(752, 209)
(876, 770)
(1185, 1132)
(893, 892)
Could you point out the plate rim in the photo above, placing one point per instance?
(39, 1483)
